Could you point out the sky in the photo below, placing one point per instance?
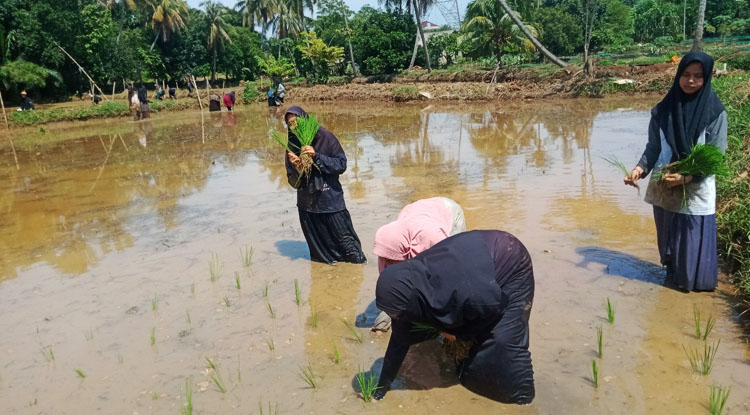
(434, 15)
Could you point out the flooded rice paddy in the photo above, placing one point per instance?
(122, 268)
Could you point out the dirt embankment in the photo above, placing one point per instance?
(478, 85)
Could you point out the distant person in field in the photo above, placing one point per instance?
(685, 206)
(323, 216)
(26, 103)
(228, 101)
(476, 287)
(143, 98)
(272, 101)
(214, 102)
(172, 92)
(160, 94)
(280, 90)
(135, 103)
(419, 226)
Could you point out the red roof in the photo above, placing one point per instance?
(427, 24)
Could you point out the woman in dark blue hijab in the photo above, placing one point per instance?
(475, 286)
(685, 206)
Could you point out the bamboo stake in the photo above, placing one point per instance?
(114, 84)
(82, 70)
(7, 127)
(197, 92)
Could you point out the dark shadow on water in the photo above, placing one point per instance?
(366, 319)
(293, 249)
(623, 265)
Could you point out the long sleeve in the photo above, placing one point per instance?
(402, 337)
(716, 135)
(653, 148)
(332, 164)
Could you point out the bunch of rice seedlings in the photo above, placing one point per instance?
(425, 330)
(282, 140)
(702, 363)
(353, 330)
(703, 160)
(271, 344)
(599, 340)
(247, 256)
(264, 292)
(308, 376)
(217, 376)
(214, 267)
(48, 354)
(188, 408)
(610, 312)
(718, 399)
(367, 385)
(621, 167)
(306, 129)
(709, 326)
(594, 374)
(297, 293)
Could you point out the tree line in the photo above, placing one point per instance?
(119, 41)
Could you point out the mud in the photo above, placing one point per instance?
(106, 240)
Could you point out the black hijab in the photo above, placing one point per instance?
(683, 117)
(324, 142)
(450, 286)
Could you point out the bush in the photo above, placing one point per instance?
(606, 62)
(405, 93)
(107, 109)
(249, 93)
(739, 61)
(373, 65)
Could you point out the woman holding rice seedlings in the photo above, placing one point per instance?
(689, 117)
(419, 226)
(476, 286)
(324, 219)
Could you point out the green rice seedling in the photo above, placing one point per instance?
(239, 369)
(367, 384)
(216, 377)
(306, 129)
(154, 396)
(610, 312)
(226, 302)
(297, 293)
(703, 160)
(594, 373)
(80, 374)
(599, 340)
(282, 140)
(621, 167)
(155, 303)
(188, 319)
(192, 288)
(153, 336)
(237, 280)
(697, 320)
(188, 408)
(272, 410)
(702, 363)
(308, 376)
(425, 330)
(709, 326)
(120, 358)
(718, 399)
(214, 267)
(271, 311)
(264, 292)
(48, 354)
(89, 335)
(271, 344)
(353, 330)
(314, 319)
(247, 256)
(336, 355)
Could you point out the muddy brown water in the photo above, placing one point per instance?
(108, 228)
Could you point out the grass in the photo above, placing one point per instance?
(271, 344)
(709, 326)
(702, 363)
(188, 408)
(216, 377)
(237, 280)
(314, 318)
(610, 312)
(599, 340)
(367, 385)
(48, 354)
(353, 330)
(405, 93)
(306, 374)
(80, 374)
(214, 267)
(247, 256)
(594, 374)
(336, 354)
(718, 399)
(153, 336)
(226, 302)
(271, 311)
(192, 288)
(106, 109)
(697, 320)
(155, 303)
(297, 293)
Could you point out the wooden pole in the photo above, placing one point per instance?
(198, 92)
(7, 127)
(114, 84)
(82, 70)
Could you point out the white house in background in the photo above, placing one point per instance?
(431, 29)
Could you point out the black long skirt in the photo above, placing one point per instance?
(331, 237)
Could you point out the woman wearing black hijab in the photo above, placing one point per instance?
(323, 216)
(685, 206)
(477, 286)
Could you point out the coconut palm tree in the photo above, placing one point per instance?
(698, 39)
(418, 7)
(530, 36)
(215, 14)
(491, 30)
(169, 16)
(255, 11)
(286, 19)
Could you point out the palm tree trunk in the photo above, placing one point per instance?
(416, 48)
(154, 42)
(213, 68)
(531, 37)
(698, 39)
(351, 51)
(421, 34)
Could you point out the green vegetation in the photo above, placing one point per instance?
(272, 410)
(405, 93)
(155, 303)
(214, 267)
(271, 345)
(367, 385)
(314, 318)
(297, 293)
(703, 160)
(247, 256)
(237, 281)
(153, 336)
(216, 377)
(599, 333)
(188, 407)
(226, 302)
(718, 399)
(271, 311)
(702, 363)
(48, 354)
(306, 374)
(610, 312)
(709, 324)
(427, 331)
(80, 374)
(336, 354)
(594, 374)
(353, 330)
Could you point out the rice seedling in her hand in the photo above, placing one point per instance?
(80, 374)
(367, 384)
(247, 256)
(282, 140)
(306, 129)
(237, 280)
(188, 407)
(703, 160)
(353, 330)
(621, 167)
(271, 311)
(599, 340)
(308, 376)
(702, 363)
(216, 377)
(610, 312)
(336, 354)
(214, 267)
(718, 399)
(297, 293)
(594, 373)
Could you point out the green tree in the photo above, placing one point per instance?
(217, 30)
(97, 40)
(26, 75)
(562, 32)
(169, 16)
(255, 12)
(615, 30)
(382, 40)
(275, 68)
(239, 56)
(656, 18)
(492, 31)
(332, 25)
(322, 56)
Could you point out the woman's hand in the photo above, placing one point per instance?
(296, 161)
(635, 175)
(676, 179)
(308, 150)
(449, 336)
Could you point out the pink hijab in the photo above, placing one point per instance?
(419, 226)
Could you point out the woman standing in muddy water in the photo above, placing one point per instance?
(476, 286)
(323, 216)
(685, 206)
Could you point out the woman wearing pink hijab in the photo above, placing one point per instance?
(419, 226)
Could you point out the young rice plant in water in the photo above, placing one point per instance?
(336, 354)
(367, 384)
(599, 340)
(247, 256)
(353, 330)
(308, 376)
(594, 373)
(621, 167)
(718, 399)
(188, 408)
(702, 363)
(216, 377)
(297, 292)
(214, 267)
(610, 312)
